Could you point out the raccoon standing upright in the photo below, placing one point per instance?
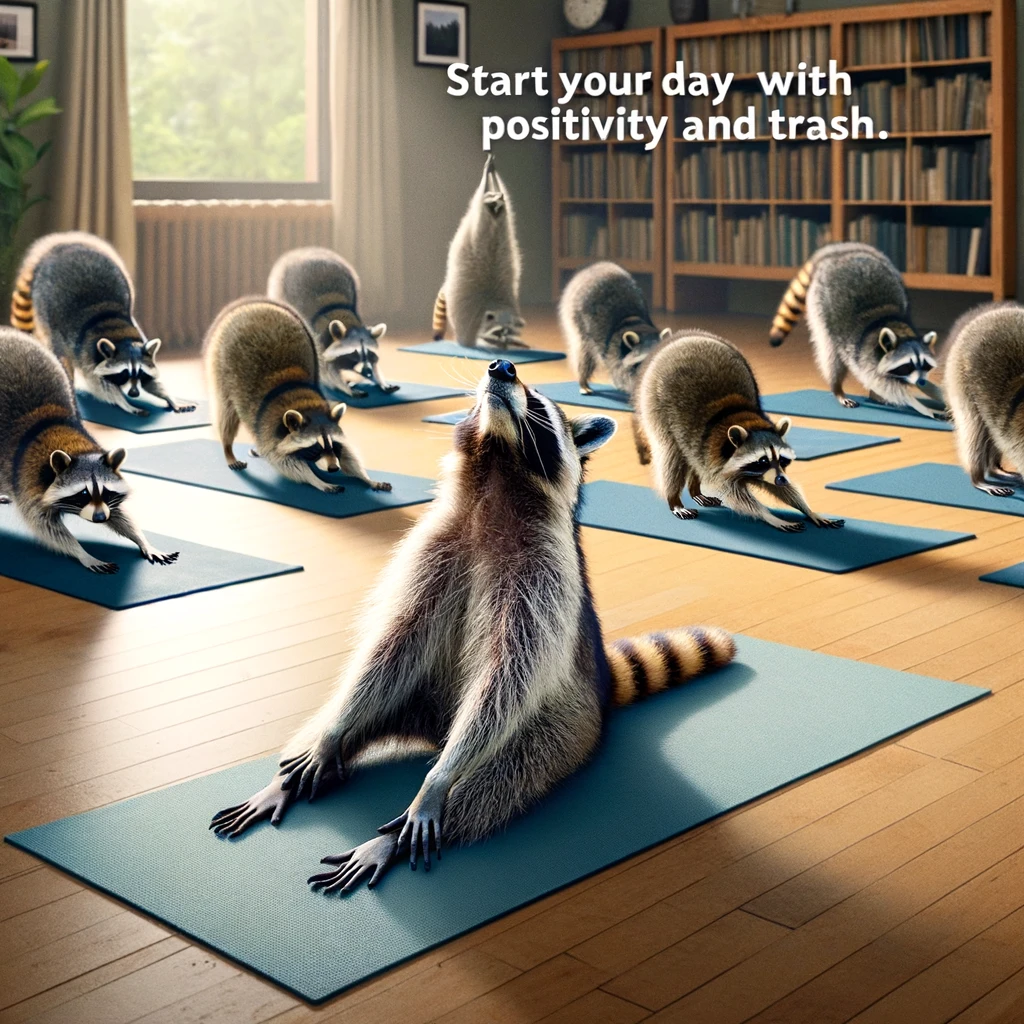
(858, 313)
(481, 642)
(700, 408)
(480, 294)
(50, 466)
(75, 295)
(984, 378)
(264, 373)
(324, 288)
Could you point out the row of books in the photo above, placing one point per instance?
(952, 37)
(632, 175)
(951, 249)
(942, 173)
(585, 174)
(791, 46)
(884, 102)
(703, 55)
(738, 101)
(696, 175)
(803, 172)
(880, 43)
(697, 236)
(878, 172)
(745, 239)
(586, 235)
(634, 237)
(745, 173)
(959, 103)
(886, 233)
(797, 238)
(750, 52)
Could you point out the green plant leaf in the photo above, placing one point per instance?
(32, 78)
(43, 149)
(9, 82)
(37, 111)
(9, 177)
(21, 152)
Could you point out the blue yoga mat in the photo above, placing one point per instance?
(567, 392)
(1011, 577)
(626, 508)
(823, 406)
(159, 418)
(690, 754)
(453, 348)
(408, 391)
(201, 463)
(807, 442)
(198, 567)
(935, 483)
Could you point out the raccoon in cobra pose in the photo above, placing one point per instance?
(324, 288)
(984, 376)
(49, 464)
(482, 642)
(605, 320)
(263, 371)
(75, 294)
(858, 313)
(480, 294)
(700, 408)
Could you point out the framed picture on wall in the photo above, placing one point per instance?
(442, 33)
(18, 31)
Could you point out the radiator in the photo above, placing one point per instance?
(193, 256)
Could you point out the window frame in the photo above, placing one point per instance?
(183, 189)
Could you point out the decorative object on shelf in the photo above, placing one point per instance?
(685, 12)
(743, 8)
(18, 31)
(596, 15)
(442, 34)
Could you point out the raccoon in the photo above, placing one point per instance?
(480, 294)
(74, 293)
(49, 464)
(858, 313)
(700, 407)
(984, 376)
(262, 367)
(481, 642)
(324, 288)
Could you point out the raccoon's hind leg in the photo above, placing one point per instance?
(836, 377)
(643, 446)
(123, 525)
(671, 472)
(586, 364)
(228, 424)
(978, 452)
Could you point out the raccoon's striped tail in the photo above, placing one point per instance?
(646, 665)
(440, 316)
(793, 303)
(22, 314)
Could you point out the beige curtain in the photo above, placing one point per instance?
(365, 178)
(92, 175)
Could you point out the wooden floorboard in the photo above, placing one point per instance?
(887, 888)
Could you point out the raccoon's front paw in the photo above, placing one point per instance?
(331, 488)
(358, 392)
(586, 389)
(270, 802)
(846, 402)
(380, 485)
(707, 502)
(160, 558)
(681, 512)
(182, 406)
(141, 413)
(995, 490)
(238, 465)
(367, 862)
(390, 389)
(101, 568)
(788, 527)
(305, 773)
(828, 524)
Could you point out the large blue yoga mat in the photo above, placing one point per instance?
(408, 391)
(935, 483)
(822, 405)
(665, 765)
(453, 348)
(159, 418)
(567, 392)
(1011, 577)
(198, 567)
(807, 442)
(201, 463)
(626, 508)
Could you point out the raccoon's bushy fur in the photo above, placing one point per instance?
(858, 313)
(264, 373)
(324, 288)
(50, 466)
(75, 294)
(482, 642)
(700, 409)
(984, 381)
(480, 294)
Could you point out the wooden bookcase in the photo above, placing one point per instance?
(743, 194)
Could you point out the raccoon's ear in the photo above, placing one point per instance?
(106, 348)
(886, 339)
(59, 461)
(293, 420)
(337, 329)
(379, 331)
(115, 458)
(783, 426)
(737, 435)
(630, 338)
(152, 347)
(930, 338)
(665, 333)
(591, 432)
(337, 411)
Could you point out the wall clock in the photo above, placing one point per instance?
(596, 15)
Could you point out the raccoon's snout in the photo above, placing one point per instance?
(781, 480)
(133, 391)
(502, 370)
(99, 517)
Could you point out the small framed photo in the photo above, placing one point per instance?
(442, 33)
(18, 31)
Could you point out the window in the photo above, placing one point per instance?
(228, 98)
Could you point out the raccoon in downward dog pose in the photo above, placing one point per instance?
(49, 464)
(482, 642)
(324, 288)
(701, 410)
(858, 313)
(74, 293)
(984, 375)
(480, 294)
(263, 371)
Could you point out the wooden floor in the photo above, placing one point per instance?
(889, 888)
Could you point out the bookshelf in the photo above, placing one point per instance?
(938, 195)
(608, 196)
